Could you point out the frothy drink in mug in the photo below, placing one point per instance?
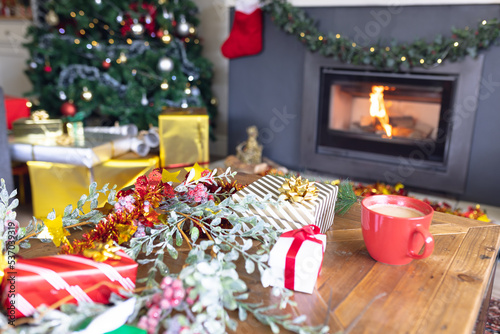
(395, 228)
(396, 210)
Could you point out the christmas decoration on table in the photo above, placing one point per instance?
(150, 221)
(296, 259)
(297, 190)
(473, 212)
(250, 151)
(184, 134)
(394, 55)
(106, 65)
(379, 188)
(249, 157)
(319, 209)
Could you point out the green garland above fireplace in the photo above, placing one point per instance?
(393, 56)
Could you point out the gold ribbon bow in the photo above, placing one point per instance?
(101, 252)
(297, 190)
(39, 115)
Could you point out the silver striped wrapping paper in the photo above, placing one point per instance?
(289, 216)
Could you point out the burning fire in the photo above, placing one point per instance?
(377, 108)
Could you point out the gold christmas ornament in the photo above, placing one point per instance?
(297, 190)
(166, 38)
(122, 58)
(87, 94)
(51, 18)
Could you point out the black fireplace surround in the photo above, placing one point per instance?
(266, 90)
(439, 165)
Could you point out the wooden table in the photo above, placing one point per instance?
(448, 292)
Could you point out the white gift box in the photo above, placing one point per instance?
(95, 149)
(303, 271)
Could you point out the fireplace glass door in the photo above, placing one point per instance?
(375, 113)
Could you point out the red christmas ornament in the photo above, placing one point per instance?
(68, 109)
(106, 65)
(47, 68)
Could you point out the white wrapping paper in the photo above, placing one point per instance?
(97, 148)
(307, 263)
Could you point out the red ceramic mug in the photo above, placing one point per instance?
(395, 228)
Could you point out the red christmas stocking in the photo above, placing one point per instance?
(245, 38)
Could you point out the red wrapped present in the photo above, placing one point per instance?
(16, 108)
(74, 278)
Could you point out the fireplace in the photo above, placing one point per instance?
(409, 127)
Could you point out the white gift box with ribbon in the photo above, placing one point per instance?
(296, 259)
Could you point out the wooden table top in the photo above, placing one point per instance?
(356, 294)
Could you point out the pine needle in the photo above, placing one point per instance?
(345, 198)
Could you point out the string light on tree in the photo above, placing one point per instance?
(164, 85)
(62, 95)
(122, 58)
(137, 28)
(183, 26)
(167, 15)
(144, 99)
(87, 94)
(166, 37)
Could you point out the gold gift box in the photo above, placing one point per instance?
(28, 127)
(183, 137)
(56, 185)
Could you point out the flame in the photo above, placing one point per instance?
(377, 108)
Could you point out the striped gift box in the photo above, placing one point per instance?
(290, 216)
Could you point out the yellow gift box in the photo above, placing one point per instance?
(56, 185)
(183, 137)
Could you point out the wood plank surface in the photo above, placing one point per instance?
(356, 294)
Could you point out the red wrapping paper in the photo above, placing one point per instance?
(47, 280)
(16, 108)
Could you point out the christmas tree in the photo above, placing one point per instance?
(118, 60)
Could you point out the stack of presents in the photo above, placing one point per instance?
(64, 158)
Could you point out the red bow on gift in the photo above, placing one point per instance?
(299, 236)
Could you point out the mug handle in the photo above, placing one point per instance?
(428, 244)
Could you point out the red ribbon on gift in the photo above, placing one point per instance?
(307, 232)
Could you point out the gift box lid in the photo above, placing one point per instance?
(191, 111)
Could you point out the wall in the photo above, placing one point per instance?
(13, 57)
(213, 30)
(266, 89)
